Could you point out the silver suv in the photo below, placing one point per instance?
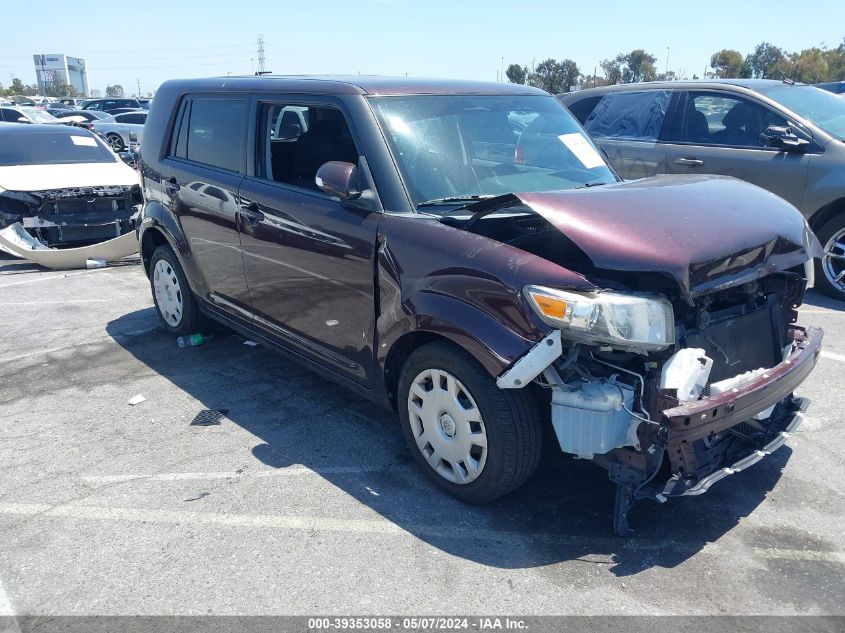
(785, 137)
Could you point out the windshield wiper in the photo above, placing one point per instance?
(586, 185)
(455, 200)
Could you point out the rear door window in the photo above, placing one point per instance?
(634, 116)
(211, 131)
(132, 117)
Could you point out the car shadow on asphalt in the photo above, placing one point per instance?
(562, 514)
(818, 300)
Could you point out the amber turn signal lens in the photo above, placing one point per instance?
(549, 306)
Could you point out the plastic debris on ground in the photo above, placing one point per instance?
(136, 399)
(15, 240)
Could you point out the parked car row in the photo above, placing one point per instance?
(785, 137)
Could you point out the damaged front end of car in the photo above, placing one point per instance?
(681, 370)
(73, 215)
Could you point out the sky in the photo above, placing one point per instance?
(150, 41)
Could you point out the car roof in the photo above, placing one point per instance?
(690, 84)
(355, 84)
(43, 128)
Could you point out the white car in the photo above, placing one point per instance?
(24, 114)
(64, 185)
(116, 128)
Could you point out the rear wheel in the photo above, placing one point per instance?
(830, 276)
(474, 440)
(175, 302)
(115, 141)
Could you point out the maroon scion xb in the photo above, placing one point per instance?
(461, 252)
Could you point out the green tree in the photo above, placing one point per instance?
(16, 88)
(836, 62)
(554, 76)
(639, 66)
(809, 66)
(115, 90)
(516, 74)
(766, 60)
(612, 69)
(727, 64)
(58, 89)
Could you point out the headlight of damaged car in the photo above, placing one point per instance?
(622, 321)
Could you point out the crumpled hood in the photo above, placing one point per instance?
(44, 177)
(707, 232)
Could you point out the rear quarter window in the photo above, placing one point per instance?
(635, 116)
(584, 108)
(211, 131)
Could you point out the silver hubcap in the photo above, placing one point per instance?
(168, 293)
(114, 141)
(447, 426)
(834, 260)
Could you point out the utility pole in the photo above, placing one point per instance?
(666, 72)
(138, 81)
(261, 60)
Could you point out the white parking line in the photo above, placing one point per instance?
(840, 358)
(40, 279)
(383, 526)
(7, 611)
(290, 471)
(39, 303)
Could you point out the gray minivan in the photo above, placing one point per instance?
(786, 137)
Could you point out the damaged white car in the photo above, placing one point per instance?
(64, 186)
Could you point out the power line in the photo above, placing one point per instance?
(144, 50)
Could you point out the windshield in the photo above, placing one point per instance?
(37, 115)
(453, 149)
(53, 148)
(823, 108)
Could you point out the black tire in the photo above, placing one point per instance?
(192, 320)
(115, 141)
(511, 420)
(828, 230)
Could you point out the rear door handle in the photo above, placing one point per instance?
(690, 162)
(252, 213)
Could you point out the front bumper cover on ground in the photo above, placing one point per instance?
(16, 241)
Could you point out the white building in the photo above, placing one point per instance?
(56, 68)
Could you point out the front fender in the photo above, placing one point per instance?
(156, 217)
(464, 287)
(491, 342)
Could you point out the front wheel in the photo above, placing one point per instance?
(831, 268)
(175, 302)
(474, 440)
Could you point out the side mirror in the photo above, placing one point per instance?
(23, 119)
(339, 179)
(782, 137)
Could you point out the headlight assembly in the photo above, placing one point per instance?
(630, 322)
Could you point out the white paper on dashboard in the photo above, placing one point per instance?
(582, 149)
(83, 140)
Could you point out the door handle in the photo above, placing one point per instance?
(252, 213)
(171, 186)
(690, 162)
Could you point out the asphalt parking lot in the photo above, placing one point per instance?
(303, 499)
